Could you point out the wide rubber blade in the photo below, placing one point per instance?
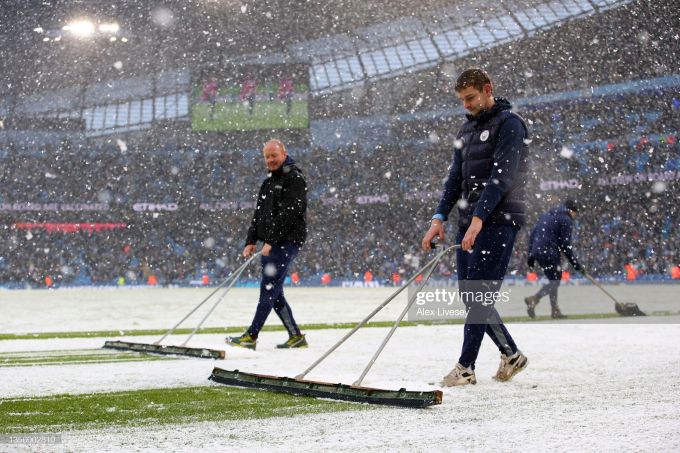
(344, 392)
(203, 353)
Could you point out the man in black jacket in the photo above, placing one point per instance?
(486, 182)
(279, 222)
(550, 238)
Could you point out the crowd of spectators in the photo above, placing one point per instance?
(367, 210)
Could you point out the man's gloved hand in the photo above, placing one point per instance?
(531, 261)
(578, 267)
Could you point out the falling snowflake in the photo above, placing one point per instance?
(659, 187)
(162, 17)
(270, 270)
(566, 152)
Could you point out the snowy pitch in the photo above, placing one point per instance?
(605, 386)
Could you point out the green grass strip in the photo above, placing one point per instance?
(73, 357)
(304, 327)
(157, 406)
(83, 362)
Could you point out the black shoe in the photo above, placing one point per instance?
(531, 302)
(557, 314)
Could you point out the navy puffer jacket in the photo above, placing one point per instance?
(489, 169)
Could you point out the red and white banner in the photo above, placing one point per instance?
(70, 227)
(64, 207)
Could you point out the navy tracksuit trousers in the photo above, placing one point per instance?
(553, 272)
(274, 271)
(482, 271)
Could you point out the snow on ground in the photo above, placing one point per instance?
(161, 308)
(596, 387)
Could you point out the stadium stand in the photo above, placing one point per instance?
(604, 111)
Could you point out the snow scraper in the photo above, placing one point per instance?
(183, 349)
(344, 392)
(355, 392)
(624, 309)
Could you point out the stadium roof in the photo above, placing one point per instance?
(169, 33)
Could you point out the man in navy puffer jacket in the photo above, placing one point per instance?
(486, 182)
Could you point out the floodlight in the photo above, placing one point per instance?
(111, 27)
(80, 28)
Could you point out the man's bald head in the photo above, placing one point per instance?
(274, 153)
(274, 143)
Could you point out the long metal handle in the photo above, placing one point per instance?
(373, 313)
(235, 276)
(401, 316)
(221, 285)
(594, 282)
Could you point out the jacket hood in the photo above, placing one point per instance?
(499, 105)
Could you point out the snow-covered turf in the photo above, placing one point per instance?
(159, 308)
(589, 386)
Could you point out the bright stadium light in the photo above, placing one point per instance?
(111, 28)
(80, 28)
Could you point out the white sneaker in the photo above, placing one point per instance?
(459, 376)
(510, 366)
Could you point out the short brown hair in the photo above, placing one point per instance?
(473, 77)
